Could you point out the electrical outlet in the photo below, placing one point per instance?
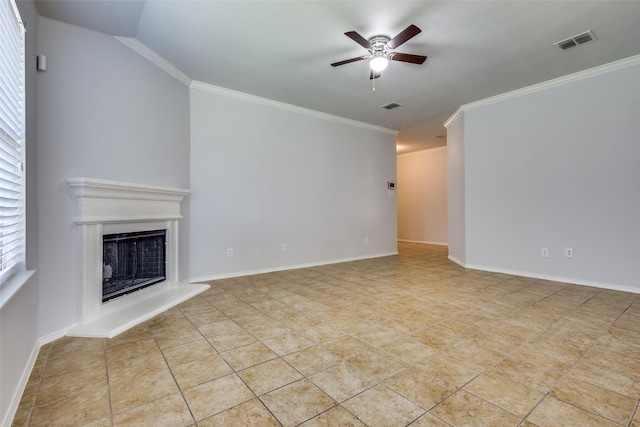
(545, 252)
(229, 252)
(284, 247)
(366, 240)
(568, 252)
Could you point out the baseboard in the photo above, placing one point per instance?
(22, 384)
(569, 280)
(285, 268)
(423, 242)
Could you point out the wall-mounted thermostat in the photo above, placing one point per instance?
(391, 185)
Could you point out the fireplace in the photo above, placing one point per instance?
(132, 261)
(127, 254)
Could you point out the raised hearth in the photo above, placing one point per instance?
(110, 207)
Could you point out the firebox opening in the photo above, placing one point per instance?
(132, 261)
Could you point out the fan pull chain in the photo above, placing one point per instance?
(374, 84)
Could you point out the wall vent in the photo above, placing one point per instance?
(391, 106)
(584, 37)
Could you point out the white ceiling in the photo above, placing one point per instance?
(282, 49)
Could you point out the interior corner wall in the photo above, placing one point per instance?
(558, 168)
(103, 112)
(263, 177)
(18, 316)
(456, 212)
(422, 196)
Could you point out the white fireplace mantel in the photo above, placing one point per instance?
(105, 207)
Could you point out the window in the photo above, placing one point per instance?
(12, 139)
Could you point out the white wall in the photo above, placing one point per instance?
(18, 316)
(558, 168)
(263, 176)
(104, 112)
(456, 211)
(422, 196)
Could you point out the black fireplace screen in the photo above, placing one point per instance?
(132, 261)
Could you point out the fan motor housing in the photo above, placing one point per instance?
(379, 43)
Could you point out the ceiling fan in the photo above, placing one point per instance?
(381, 50)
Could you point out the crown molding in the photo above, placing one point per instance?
(140, 48)
(453, 117)
(560, 81)
(206, 87)
(430, 150)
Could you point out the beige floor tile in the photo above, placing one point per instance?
(206, 317)
(614, 361)
(505, 393)
(378, 364)
(626, 384)
(269, 376)
(90, 405)
(420, 387)
(347, 347)
(429, 420)
(380, 406)
(500, 343)
(342, 381)
(607, 404)
(59, 387)
(74, 345)
(230, 341)
(552, 412)
(129, 349)
(216, 396)
(127, 369)
(140, 390)
(219, 327)
(377, 335)
(200, 371)
(289, 342)
(449, 368)
(434, 338)
(416, 321)
(512, 330)
(136, 333)
(408, 350)
(169, 411)
(310, 360)
(249, 355)
(455, 328)
(336, 416)
(176, 337)
(249, 413)
(297, 402)
(81, 363)
(534, 368)
(265, 330)
(636, 419)
(474, 354)
(465, 409)
(188, 352)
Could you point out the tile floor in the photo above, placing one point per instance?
(403, 340)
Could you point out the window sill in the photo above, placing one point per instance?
(13, 285)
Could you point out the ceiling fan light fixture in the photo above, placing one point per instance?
(378, 63)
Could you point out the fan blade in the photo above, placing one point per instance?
(358, 39)
(409, 32)
(347, 61)
(407, 57)
(374, 75)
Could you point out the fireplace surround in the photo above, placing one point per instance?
(108, 208)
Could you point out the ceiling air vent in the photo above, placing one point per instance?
(565, 44)
(391, 106)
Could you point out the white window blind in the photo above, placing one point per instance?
(12, 139)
